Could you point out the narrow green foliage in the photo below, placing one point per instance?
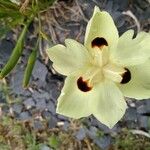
(43, 4)
(10, 15)
(29, 68)
(54, 141)
(8, 4)
(15, 54)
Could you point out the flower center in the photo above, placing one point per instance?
(99, 42)
(126, 77)
(101, 68)
(83, 85)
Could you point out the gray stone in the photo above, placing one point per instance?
(40, 95)
(17, 108)
(95, 122)
(103, 142)
(41, 104)
(141, 109)
(46, 115)
(92, 132)
(131, 114)
(40, 71)
(16, 81)
(65, 126)
(6, 48)
(62, 118)
(50, 106)
(44, 147)
(24, 116)
(81, 134)
(144, 108)
(38, 125)
(29, 103)
(53, 88)
(52, 122)
(143, 122)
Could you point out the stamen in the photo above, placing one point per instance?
(99, 42)
(83, 85)
(126, 77)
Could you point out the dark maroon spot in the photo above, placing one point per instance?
(83, 85)
(126, 77)
(99, 42)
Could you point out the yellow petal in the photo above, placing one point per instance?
(113, 72)
(102, 29)
(67, 60)
(139, 85)
(132, 51)
(108, 104)
(73, 102)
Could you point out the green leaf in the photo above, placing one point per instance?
(15, 54)
(43, 4)
(54, 141)
(29, 68)
(8, 4)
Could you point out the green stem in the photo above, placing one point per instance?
(17, 51)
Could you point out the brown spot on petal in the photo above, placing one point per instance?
(99, 42)
(126, 77)
(83, 85)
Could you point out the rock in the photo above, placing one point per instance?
(46, 115)
(103, 142)
(141, 109)
(40, 71)
(95, 122)
(44, 147)
(143, 122)
(81, 134)
(50, 106)
(53, 89)
(25, 116)
(38, 125)
(131, 114)
(144, 108)
(17, 108)
(29, 103)
(6, 47)
(52, 122)
(65, 126)
(41, 95)
(41, 104)
(16, 81)
(62, 118)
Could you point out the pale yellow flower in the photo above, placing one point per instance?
(103, 71)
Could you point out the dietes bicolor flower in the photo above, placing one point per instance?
(103, 71)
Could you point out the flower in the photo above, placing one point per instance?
(103, 71)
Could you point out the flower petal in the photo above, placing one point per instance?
(139, 85)
(72, 101)
(113, 72)
(101, 26)
(132, 51)
(108, 104)
(69, 59)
